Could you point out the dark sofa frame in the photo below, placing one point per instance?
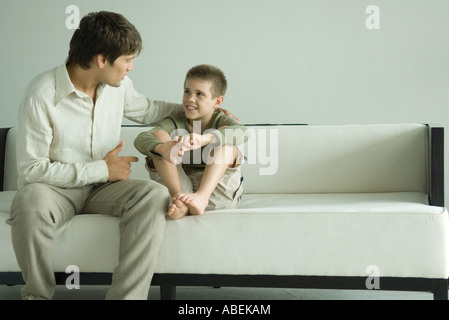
(169, 282)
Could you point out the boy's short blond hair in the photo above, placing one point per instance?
(210, 73)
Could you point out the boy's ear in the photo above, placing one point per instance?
(218, 101)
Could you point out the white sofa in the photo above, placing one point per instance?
(333, 206)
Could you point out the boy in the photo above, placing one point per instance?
(213, 181)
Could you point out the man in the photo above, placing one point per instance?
(68, 158)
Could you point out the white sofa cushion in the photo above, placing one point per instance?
(321, 234)
(282, 234)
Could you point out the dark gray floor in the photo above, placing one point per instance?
(208, 293)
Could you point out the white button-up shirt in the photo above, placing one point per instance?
(63, 137)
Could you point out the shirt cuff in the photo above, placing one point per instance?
(97, 172)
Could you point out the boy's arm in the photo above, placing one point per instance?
(166, 146)
(157, 142)
(194, 141)
(227, 132)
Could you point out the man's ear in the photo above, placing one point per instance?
(100, 60)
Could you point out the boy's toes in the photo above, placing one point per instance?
(178, 210)
(176, 196)
(171, 210)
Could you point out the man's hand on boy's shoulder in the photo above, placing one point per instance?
(229, 114)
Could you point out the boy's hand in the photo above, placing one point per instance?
(195, 141)
(119, 168)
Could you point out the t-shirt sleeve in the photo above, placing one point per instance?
(145, 142)
(230, 132)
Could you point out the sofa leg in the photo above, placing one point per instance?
(168, 292)
(440, 289)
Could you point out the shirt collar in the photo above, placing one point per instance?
(64, 86)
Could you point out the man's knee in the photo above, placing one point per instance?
(147, 186)
(148, 197)
(35, 204)
(32, 197)
(154, 190)
(147, 191)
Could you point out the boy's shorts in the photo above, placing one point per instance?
(227, 194)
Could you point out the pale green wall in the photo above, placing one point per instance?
(287, 61)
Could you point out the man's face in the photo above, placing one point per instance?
(115, 73)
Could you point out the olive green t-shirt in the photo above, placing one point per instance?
(226, 130)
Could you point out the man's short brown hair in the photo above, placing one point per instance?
(210, 73)
(106, 33)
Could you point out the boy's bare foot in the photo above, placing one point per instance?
(178, 209)
(195, 202)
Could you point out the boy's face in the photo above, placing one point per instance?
(197, 101)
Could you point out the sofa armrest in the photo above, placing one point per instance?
(3, 135)
(436, 165)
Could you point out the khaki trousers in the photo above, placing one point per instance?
(39, 209)
(228, 192)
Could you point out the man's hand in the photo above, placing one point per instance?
(119, 167)
(226, 112)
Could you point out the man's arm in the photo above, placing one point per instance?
(34, 140)
(34, 149)
(140, 109)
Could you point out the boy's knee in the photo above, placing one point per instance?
(228, 155)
